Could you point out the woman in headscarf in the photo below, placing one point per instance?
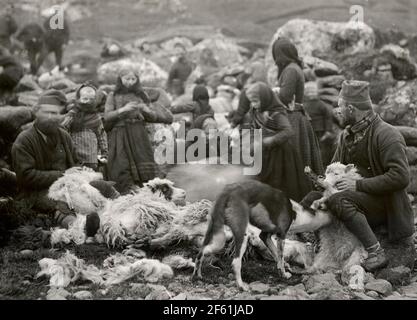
(291, 92)
(130, 158)
(282, 167)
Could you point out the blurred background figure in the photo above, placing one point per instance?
(321, 120)
(8, 26)
(180, 71)
(32, 36)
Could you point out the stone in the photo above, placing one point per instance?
(140, 289)
(362, 296)
(379, 285)
(372, 294)
(295, 292)
(409, 291)
(278, 297)
(320, 282)
(150, 73)
(26, 253)
(181, 296)
(158, 292)
(259, 287)
(331, 294)
(83, 295)
(411, 153)
(396, 276)
(321, 67)
(313, 38)
(15, 117)
(399, 105)
(57, 293)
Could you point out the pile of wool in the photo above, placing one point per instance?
(116, 268)
(68, 269)
(189, 224)
(132, 215)
(75, 190)
(151, 270)
(177, 261)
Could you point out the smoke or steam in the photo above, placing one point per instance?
(205, 181)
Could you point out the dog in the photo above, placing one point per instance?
(233, 208)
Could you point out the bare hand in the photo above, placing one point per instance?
(129, 107)
(268, 141)
(346, 184)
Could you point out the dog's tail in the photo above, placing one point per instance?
(216, 222)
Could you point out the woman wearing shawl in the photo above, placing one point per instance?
(130, 158)
(291, 92)
(282, 167)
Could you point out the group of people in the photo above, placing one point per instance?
(295, 124)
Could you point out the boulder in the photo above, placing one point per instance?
(15, 117)
(28, 98)
(321, 282)
(27, 83)
(321, 67)
(399, 105)
(225, 50)
(295, 292)
(409, 291)
(380, 286)
(83, 295)
(397, 276)
(354, 277)
(314, 38)
(149, 72)
(259, 287)
(159, 294)
(411, 153)
(409, 134)
(334, 81)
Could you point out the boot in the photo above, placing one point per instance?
(376, 260)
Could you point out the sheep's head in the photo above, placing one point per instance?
(336, 171)
(165, 188)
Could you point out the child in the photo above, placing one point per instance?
(131, 159)
(84, 124)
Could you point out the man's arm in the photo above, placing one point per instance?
(395, 166)
(27, 175)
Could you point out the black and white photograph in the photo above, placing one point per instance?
(230, 151)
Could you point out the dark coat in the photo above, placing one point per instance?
(391, 175)
(30, 160)
(12, 68)
(291, 83)
(56, 37)
(8, 26)
(32, 36)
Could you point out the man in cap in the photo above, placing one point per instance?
(42, 153)
(377, 149)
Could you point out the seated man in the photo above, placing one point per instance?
(41, 154)
(378, 151)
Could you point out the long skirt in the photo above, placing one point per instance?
(131, 159)
(282, 168)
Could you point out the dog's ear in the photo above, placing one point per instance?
(349, 167)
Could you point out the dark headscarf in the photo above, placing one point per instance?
(266, 96)
(200, 93)
(284, 52)
(137, 88)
